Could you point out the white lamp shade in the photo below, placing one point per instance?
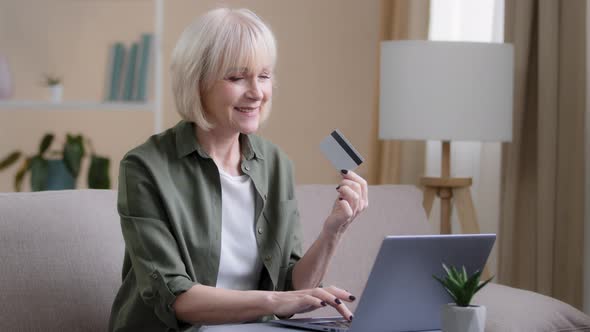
(449, 91)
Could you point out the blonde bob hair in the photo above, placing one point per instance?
(221, 40)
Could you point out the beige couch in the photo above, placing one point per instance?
(61, 254)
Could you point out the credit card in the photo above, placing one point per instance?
(340, 152)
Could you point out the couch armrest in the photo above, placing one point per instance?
(512, 309)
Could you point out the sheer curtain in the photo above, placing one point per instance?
(399, 162)
(479, 21)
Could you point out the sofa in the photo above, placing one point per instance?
(61, 254)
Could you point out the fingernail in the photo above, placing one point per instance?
(323, 303)
(337, 187)
(350, 318)
(344, 171)
(352, 297)
(338, 301)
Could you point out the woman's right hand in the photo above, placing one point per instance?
(286, 304)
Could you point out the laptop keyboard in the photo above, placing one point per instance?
(343, 324)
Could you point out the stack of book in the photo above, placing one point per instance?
(129, 70)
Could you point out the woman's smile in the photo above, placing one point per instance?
(250, 111)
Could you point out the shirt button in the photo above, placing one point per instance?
(155, 276)
(247, 168)
(267, 258)
(259, 230)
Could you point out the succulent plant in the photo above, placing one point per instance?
(461, 286)
(51, 80)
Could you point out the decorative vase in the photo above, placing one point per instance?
(56, 93)
(5, 79)
(463, 319)
(58, 176)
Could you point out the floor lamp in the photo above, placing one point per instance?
(446, 91)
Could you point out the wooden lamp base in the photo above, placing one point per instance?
(451, 190)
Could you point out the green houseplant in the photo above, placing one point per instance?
(51, 80)
(55, 169)
(462, 315)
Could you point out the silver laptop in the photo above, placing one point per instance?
(401, 294)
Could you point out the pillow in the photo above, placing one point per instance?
(512, 309)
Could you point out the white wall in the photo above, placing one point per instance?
(587, 193)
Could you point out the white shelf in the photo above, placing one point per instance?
(13, 105)
(155, 81)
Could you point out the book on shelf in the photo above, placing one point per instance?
(130, 70)
(144, 56)
(117, 58)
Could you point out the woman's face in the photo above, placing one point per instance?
(234, 104)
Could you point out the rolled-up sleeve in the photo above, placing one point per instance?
(157, 264)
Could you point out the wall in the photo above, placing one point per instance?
(71, 39)
(326, 72)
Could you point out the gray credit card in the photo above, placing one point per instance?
(340, 152)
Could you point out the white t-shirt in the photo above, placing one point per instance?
(240, 264)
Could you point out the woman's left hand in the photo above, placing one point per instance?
(353, 199)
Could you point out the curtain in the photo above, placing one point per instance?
(542, 216)
(397, 161)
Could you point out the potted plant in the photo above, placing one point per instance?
(54, 83)
(56, 170)
(462, 315)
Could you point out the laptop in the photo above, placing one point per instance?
(401, 294)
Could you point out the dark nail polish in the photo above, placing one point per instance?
(338, 301)
(344, 171)
(350, 318)
(340, 198)
(337, 187)
(323, 303)
(352, 297)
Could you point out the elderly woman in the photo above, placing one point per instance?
(208, 209)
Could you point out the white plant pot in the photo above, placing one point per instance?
(463, 319)
(56, 93)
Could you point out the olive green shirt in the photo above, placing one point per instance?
(170, 206)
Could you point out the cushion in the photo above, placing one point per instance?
(61, 254)
(512, 309)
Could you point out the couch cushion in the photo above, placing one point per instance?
(393, 210)
(60, 256)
